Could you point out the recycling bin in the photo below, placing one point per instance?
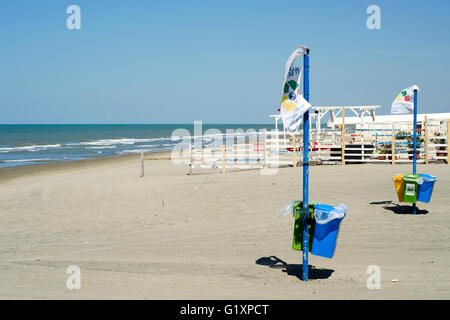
(326, 231)
(297, 243)
(412, 182)
(426, 188)
(399, 187)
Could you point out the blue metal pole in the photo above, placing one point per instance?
(414, 141)
(305, 166)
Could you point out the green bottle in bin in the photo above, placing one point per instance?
(412, 182)
(297, 243)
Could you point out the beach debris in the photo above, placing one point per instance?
(323, 216)
(163, 204)
(394, 280)
(287, 209)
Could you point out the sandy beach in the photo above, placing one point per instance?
(213, 235)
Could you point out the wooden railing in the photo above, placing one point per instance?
(390, 144)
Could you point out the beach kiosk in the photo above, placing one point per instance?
(316, 226)
(413, 187)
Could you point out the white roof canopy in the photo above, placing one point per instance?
(318, 112)
(393, 118)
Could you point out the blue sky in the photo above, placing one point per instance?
(217, 61)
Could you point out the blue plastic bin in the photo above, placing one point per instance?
(325, 235)
(426, 188)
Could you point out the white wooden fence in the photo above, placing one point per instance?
(388, 143)
(391, 144)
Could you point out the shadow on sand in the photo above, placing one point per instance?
(404, 209)
(397, 208)
(294, 269)
(380, 202)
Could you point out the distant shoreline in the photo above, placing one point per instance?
(22, 145)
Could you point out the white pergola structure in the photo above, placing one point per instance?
(321, 111)
(335, 111)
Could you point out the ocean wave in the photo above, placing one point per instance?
(101, 147)
(31, 148)
(135, 151)
(27, 160)
(110, 142)
(102, 142)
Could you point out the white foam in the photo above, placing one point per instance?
(101, 147)
(135, 151)
(27, 160)
(31, 148)
(109, 142)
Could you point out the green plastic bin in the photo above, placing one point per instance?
(412, 182)
(297, 243)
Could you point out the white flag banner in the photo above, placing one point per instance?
(404, 102)
(293, 105)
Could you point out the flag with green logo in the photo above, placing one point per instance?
(404, 102)
(293, 105)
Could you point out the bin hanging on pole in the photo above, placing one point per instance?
(411, 187)
(426, 188)
(297, 241)
(326, 230)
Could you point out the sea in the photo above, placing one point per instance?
(36, 144)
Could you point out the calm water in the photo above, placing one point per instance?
(33, 144)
